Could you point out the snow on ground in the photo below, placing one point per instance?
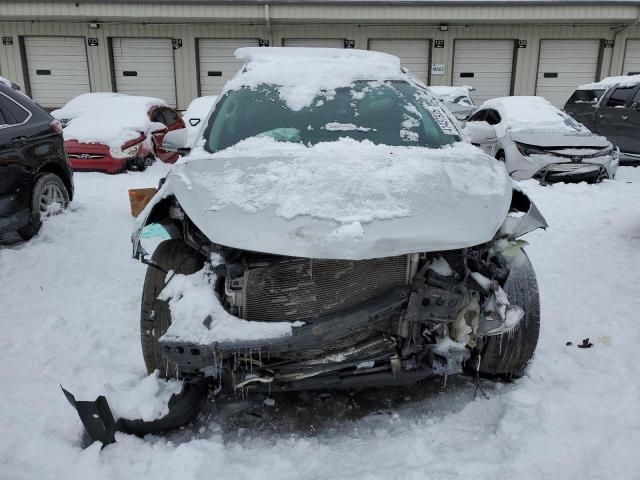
(69, 314)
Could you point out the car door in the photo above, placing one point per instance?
(17, 167)
(613, 115)
(629, 132)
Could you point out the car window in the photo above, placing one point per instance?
(388, 113)
(170, 116)
(160, 115)
(479, 116)
(12, 112)
(493, 117)
(585, 96)
(620, 97)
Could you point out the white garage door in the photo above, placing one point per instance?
(218, 62)
(632, 58)
(563, 65)
(144, 66)
(57, 69)
(484, 64)
(413, 54)
(314, 42)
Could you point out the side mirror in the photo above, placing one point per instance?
(480, 132)
(176, 141)
(194, 121)
(636, 106)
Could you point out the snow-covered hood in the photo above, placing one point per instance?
(551, 139)
(341, 200)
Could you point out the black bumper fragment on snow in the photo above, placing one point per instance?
(98, 420)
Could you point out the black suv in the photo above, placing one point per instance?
(35, 175)
(611, 108)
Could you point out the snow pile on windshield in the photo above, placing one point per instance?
(370, 182)
(605, 83)
(114, 121)
(303, 74)
(533, 114)
(450, 94)
(86, 101)
(197, 315)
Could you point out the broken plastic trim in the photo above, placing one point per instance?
(532, 219)
(98, 420)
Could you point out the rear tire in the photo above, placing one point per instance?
(48, 189)
(508, 354)
(155, 316)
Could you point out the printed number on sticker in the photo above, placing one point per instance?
(443, 121)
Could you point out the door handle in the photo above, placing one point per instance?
(624, 117)
(600, 115)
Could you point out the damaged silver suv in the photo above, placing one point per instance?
(333, 229)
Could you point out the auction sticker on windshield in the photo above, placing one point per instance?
(442, 120)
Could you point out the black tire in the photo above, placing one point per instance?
(141, 163)
(500, 156)
(42, 189)
(508, 354)
(155, 316)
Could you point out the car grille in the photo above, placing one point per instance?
(85, 156)
(570, 167)
(308, 288)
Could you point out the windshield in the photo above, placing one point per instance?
(389, 113)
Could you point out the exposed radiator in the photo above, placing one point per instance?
(305, 288)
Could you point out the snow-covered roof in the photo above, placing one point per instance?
(605, 83)
(304, 73)
(79, 104)
(532, 113)
(113, 121)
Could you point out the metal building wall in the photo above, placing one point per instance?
(190, 22)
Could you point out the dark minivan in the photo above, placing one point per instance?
(611, 108)
(35, 176)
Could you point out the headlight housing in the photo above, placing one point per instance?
(528, 150)
(128, 152)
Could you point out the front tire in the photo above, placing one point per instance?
(155, 316)
(508, 354)
(49, 190)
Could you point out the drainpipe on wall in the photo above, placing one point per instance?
(617, 31)
(267, 19)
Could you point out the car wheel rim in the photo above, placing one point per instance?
(51, 195)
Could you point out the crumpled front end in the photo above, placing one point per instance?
(381, 321)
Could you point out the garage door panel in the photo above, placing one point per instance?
(217, 62)
(567, 64)
(486, 65)
(152, 61)
(57, 69)
(314, 42)
(413, 53)
(631, 57)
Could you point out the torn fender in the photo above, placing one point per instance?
(523, 217)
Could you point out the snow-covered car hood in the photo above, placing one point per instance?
(551, 139)
(341, 200)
